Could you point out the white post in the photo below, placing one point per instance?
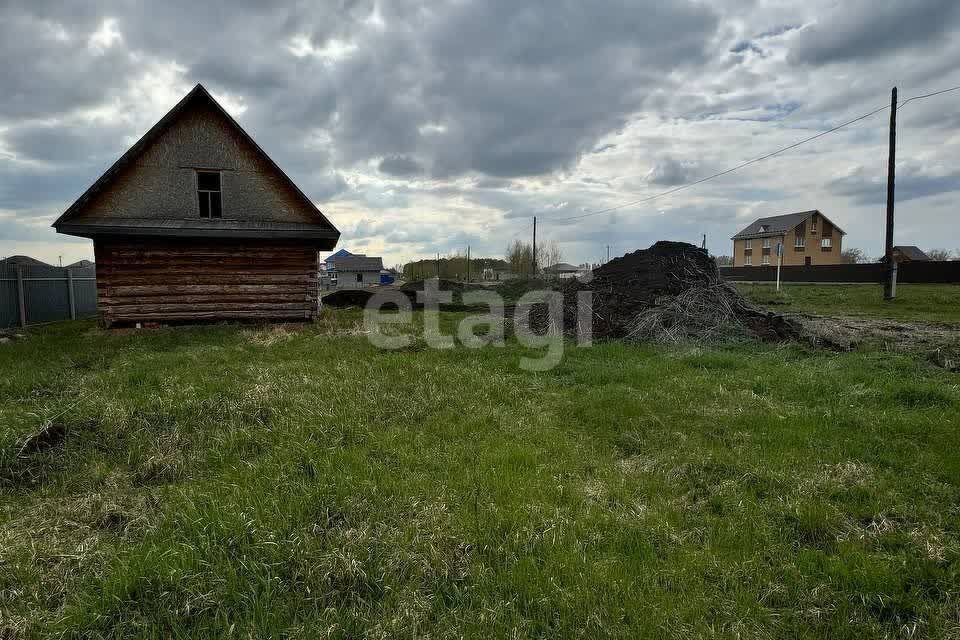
(779, 260)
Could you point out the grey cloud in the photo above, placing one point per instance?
(400, 166)
(509, 81)
(48, 66)
(858, 29)
(670, 171)
(913, 182)
(67, 143)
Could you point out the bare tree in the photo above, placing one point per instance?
(939, 254)
(519, 256)
(723, 261)
(549, 254)
(854, 256)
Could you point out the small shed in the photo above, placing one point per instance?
(195, 222)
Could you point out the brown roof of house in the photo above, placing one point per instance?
(911, 252)
(778, 225)
(92, 226)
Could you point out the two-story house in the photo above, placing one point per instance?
(808, 238)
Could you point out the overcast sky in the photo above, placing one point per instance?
(422, 127)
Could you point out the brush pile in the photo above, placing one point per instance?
(667, 293)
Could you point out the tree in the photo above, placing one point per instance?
(854, 256)
(723, 261)
(939, 254)
(518, 257)
(549, 254)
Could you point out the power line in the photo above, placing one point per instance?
(928, 95)
(750, 162)
(726, 171)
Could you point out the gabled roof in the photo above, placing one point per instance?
(778, 225)
(561, 267)
(359, 263)
(339, 254)
(911, 252)
(66, 223)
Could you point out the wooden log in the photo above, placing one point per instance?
(111, 301)
(210, 315)
(132, 280)
(142, 309)
(212, 289)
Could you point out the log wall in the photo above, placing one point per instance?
(177, 281)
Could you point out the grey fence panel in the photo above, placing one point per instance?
(85, 297)
(46, 294)
(9, 307)
(46, 300)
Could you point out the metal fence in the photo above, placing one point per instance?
(33, 294)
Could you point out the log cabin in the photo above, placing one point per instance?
(196, 223)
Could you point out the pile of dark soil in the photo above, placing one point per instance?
(444, 285)
(347, 298)
(669, 292)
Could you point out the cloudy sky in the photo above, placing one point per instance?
(424, 126)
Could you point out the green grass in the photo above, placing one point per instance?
(917, 302)
(234, 482)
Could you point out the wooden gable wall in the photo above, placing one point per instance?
(161, 183)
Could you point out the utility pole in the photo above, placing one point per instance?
(704, 245)
(890, 270)
(468, 263)
(534, 246)
(608, 253)
(438, 266)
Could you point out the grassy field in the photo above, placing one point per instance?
(235, 482)
(915, 302)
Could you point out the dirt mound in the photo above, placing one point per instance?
(347, 298)
(443, 285)
(669, 292)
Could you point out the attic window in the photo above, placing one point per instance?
(208, 189)
(764, 228)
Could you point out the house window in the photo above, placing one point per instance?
(208, 190)
(748, 244)
(748, 261)
(800, 242)
(765, 259)
(359, 277)
(826, 243)
(766, 243)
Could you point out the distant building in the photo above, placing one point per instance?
(909, 253)
(497, 275)
(562, 271)
(328, 268)
(808, 238)
(355, 272)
